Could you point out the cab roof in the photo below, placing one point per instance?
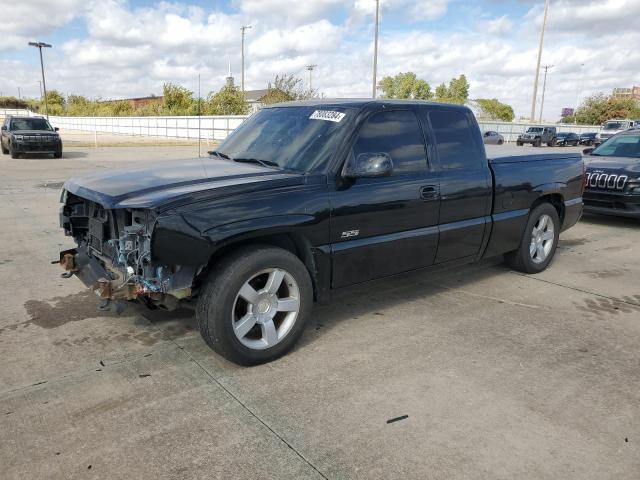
(361, 103)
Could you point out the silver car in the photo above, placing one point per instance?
(492, 138)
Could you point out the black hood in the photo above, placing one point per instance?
(619, 165)
(168, 182)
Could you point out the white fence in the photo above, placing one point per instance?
(218, 127)
(210, 127)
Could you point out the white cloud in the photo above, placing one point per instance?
(131, 51)
(28, 21)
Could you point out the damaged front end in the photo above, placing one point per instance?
(114, 258)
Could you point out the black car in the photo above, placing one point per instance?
(307, 197)
(567, 139)
(588, 139)
(613, 176)
(22, 135)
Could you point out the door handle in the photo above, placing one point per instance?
(429, 192)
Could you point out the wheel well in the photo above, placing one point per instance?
(293, 243)
(554, 199)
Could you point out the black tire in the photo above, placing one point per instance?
(537, 142)
(215, 309)
(553, 142)
(57, 154)
(521, 259)
(12, 153)
(519, 144)
(500, 142)
(4, 150)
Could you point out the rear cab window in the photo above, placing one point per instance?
(455, 143)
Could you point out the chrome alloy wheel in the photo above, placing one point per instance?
(266, 308)
(542, 238)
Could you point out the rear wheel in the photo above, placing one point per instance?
(539, 241)
(254, 305)
(500, 142)
(537, 142)
(552, 143)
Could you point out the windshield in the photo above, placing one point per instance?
(30, 124)
(534, 129)
(620, 146)
(293, 138)
(615, 126)
(561, 134)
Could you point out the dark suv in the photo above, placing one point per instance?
(537, 136)
(29, 135)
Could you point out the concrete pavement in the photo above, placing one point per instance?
(501, 375)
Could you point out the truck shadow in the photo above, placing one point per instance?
(380, 297)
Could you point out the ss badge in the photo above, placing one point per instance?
(350, 234)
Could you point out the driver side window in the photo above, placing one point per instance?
(396, 133)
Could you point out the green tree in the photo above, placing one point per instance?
(177, 100)
(597, 109)
(287, 88)
(228, 101)
(405, 85)
(456, 92)
(492, 109)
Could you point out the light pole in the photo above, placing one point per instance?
(535, 82)
(375, 51)
(544, 88)
(19, 96)
(40, 85)
(310, 68)
(580, 82)
(243, 29)
(40, 46)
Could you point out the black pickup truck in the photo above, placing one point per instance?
(307, 197)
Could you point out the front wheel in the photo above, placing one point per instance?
(13, 153)
(4, 150)
(254, 305)
(57, 154)
(500, 142)
(537, 142)
(539, 241)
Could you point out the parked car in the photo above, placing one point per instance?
(537, 136)
(567, 139)
(22, 135)
(613, 127)
(492, 138)
(307, 197)
(613, 176)
(588, 139)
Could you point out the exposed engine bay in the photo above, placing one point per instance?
(114, 256)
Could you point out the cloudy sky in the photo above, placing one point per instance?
(120, 48)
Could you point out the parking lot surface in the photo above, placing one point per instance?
(499, 375)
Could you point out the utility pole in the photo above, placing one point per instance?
(40, 46)
(19, 96)
(310, 68)
(544, 88)
(40, 84)
(375, 51)
(535, 83)
(580, 84)
(243, 29)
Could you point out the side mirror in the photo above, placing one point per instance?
(368, 165)
(56, 129)
(587, 151)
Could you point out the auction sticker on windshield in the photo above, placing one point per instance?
(327, 115)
